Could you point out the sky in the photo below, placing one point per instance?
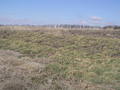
(41, 12)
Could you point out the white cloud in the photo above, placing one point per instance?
(109, 23)
(83, 22)
(95, 18)
(10, 20)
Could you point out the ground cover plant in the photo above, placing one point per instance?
(64, 61)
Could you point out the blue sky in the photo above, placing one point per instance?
(90, 12)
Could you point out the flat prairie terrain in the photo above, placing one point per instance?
(59, 60)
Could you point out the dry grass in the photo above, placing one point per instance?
(35, 60)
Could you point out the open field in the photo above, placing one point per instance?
(59, 60)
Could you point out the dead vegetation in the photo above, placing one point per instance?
(36, 60)
(28, 74)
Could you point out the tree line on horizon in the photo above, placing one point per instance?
(68, 26)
